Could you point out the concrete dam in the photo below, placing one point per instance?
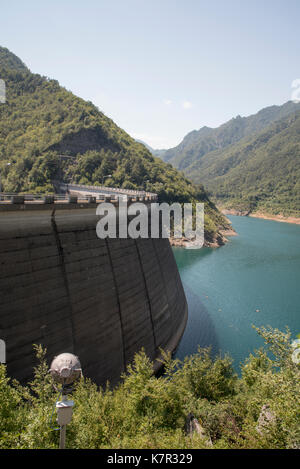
(63, 287)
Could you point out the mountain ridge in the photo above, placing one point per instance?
(199, 142)
(260, 172)
(42, 120)
(235, 161)
(155, 151)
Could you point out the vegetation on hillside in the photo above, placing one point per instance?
(261, 172)
(249, 163)
(10, 61)
(41, 121)
(198, 143)
(260, 409)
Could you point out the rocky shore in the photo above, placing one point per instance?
(265, 216)
(281, 218)
(219, 239)
(233, 211)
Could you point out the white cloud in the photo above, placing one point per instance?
(167, 102)
(187, 105)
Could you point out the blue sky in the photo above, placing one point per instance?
(161, 68)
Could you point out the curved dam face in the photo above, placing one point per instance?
(63, 287)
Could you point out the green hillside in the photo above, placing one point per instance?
(261, 172)
(198, 143)
(41, 120)
(249, 163)
(10, 61)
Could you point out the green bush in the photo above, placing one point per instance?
(145, 411)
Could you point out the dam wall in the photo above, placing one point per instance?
(102, 299)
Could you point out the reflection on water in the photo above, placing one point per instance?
(200, 329)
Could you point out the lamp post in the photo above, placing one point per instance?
(65, 370)
(104, 177)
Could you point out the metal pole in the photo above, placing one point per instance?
(62, 437)
(63, 428)
(64, 416)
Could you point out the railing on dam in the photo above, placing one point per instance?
(75, 195)
(106, 190)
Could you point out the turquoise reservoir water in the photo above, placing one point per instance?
(253, 279)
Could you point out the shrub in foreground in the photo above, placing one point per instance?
(260, 409)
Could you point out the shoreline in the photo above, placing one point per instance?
(264, 216)
(280, 218)
(217, 241)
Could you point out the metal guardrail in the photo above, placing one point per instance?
(90, 194)
(107, 190)
(19, 199)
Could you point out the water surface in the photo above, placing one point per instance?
(253, 279)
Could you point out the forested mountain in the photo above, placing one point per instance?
(260, 172)
(247, 163)
(41, 120)
(199, 142)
